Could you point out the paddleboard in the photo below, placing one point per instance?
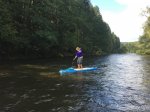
(73, 70)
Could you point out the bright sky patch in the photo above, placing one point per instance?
(124, 17)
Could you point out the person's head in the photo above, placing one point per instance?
(77, 48)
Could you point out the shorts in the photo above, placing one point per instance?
(79, 60)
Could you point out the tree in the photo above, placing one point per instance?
(40, 28)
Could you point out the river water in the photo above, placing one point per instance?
(121, 84)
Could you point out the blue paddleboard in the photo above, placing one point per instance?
(73, 70)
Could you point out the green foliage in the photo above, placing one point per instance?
(144, 40)
(130, 47)
(53, 27)
(123, 48)
(7, 29)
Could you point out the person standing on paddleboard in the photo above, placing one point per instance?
(79, 56)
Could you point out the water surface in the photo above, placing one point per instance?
(121, 84)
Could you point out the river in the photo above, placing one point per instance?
(121, 84)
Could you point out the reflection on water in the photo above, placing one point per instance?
(121, 84)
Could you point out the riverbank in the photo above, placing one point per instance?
(48, 56)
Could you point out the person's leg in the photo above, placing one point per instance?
(79, 62)
(78, 66)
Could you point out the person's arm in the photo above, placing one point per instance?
(75, 57)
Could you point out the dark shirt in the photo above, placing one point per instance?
(79, 53)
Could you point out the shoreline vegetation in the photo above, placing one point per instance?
(142, 46)
(61, 56)
(53, 28)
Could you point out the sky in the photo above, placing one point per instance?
(124, 17)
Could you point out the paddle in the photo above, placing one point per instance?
(73, 61)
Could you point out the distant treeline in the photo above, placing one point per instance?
(43, 28)
(143, 45)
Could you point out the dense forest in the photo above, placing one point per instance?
(43, 28)
(143, 45)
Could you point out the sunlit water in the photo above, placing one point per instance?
(121, 84)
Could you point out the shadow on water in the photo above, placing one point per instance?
(121, 84)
